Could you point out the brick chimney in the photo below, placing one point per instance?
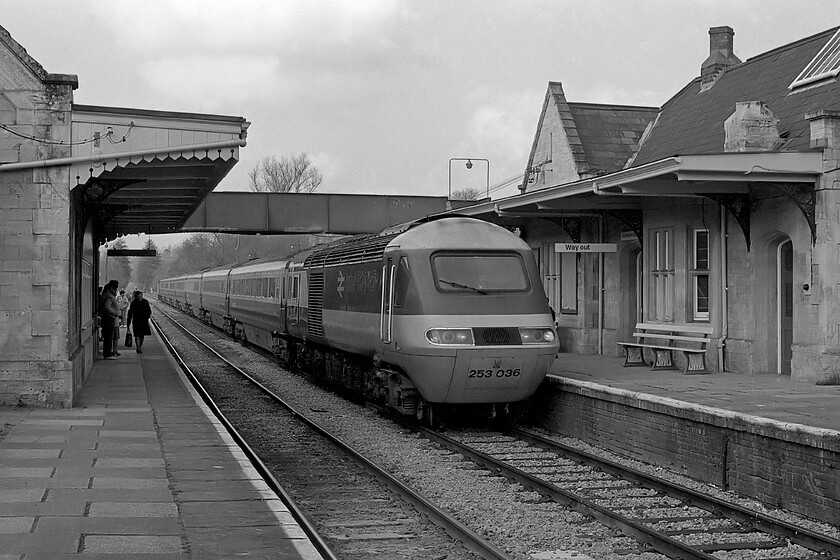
(720, 58)
(825, 130)
(751, 128)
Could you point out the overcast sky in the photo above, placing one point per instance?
(382, 93)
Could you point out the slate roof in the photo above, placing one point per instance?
(691, 122)
(609, 134)
(601, 137)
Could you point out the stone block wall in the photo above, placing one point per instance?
(779, 466)
(34, 232)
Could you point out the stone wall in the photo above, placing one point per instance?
(779, 465)
(34, 232)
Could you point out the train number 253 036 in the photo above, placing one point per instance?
(479, 373)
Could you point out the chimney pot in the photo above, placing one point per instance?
(721, 39)
(721, 56)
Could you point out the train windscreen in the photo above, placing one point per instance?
(480, 272)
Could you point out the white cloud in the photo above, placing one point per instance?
(214, 25)
(331, 169)
(503, 128)
(212, 84)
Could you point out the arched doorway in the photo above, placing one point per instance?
(784, 306)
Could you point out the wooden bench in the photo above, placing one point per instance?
(665, 338)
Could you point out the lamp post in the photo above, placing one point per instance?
(469, 165)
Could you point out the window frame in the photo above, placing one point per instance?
(662, 274)
(697, 271)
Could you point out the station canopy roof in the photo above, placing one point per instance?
(676, 176)
(144, 171)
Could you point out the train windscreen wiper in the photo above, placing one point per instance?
(457, 285)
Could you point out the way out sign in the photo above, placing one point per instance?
(585, 247)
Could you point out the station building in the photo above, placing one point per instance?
(724, 212)
(72, 177)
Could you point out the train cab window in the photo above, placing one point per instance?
(401, 282)
(479, 272)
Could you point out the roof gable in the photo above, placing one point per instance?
(692, 121)
(585, 138)
(35, 69)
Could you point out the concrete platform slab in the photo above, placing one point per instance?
(133, 471)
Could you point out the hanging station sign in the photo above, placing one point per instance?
(585, 247)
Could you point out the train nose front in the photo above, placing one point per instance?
(504, 364)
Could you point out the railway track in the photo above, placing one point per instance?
(663, 516)
(629, 514)
(351, 507)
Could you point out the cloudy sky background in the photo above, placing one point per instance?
(382, 93)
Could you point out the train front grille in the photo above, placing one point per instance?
(496, 336)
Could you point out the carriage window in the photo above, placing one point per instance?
(272, 287)
(479, 272)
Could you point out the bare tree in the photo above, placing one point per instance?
(144, 269)
(466, 194)
(288, 174)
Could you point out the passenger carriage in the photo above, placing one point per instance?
(254, 301)
(192, 293)
(214, 296)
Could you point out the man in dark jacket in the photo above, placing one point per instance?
(110, 315)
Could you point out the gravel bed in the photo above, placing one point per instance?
(522, 523)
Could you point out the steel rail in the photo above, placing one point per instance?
(304, 522)
(798, 535)
(469, 539)
(645, 535)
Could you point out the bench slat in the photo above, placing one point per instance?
(677, 348)
(672, 337)
(670, 327)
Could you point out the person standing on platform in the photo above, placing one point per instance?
(139, 313)
(110, 314)
(122, 303)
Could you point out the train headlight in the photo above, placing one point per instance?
(450, 336)
(540, 335)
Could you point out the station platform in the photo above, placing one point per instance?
(766, 398)
(137, 469)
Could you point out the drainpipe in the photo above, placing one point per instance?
(724, 289)
(105, 157)
(601, 288)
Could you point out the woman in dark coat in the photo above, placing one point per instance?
(138, 317)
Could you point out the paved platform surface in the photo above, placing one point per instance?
(767, 396)
(137, 470)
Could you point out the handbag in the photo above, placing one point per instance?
(128, 339)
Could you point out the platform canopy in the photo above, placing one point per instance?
(733, 180)
(144, 171)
